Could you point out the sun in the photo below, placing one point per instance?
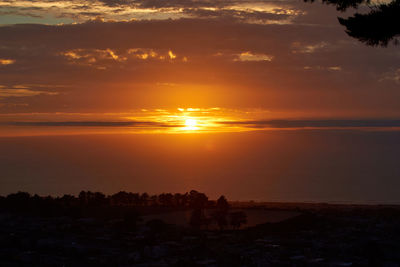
(190, 124)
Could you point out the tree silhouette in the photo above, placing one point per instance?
(83, 198)
(378, 27)
(237, 219)
(180, 200)
(92, 198)
(197, 200)
(166, 199)
(99, 199)
(221, 212)
(197, 218)
(68, 200)
(19, 201)
(154, 200)
(120, 198)
(144, 199)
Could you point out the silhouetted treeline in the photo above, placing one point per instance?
(87, 200)
(126, 206)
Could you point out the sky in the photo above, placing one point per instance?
(220, 73)
(276, 59)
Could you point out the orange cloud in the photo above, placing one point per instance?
(22, 91)
(6, 61)
(248, 56)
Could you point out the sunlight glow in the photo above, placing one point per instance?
(181, 120)
(190, 124)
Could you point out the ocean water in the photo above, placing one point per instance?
(345, 166)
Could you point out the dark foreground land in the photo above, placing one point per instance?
(82, 234)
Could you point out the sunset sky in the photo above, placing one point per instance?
(201, 67)
(118, 60)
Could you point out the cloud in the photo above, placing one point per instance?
(84, 123)
(393, 76)
(332, 123)
(219, 126)
(307, 49)
(103, 58)
(248, 56)
(329, 68)
(246, 16)
(6, 61)
(21, 91)
(122, 10)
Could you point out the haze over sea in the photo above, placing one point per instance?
(346, 166)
